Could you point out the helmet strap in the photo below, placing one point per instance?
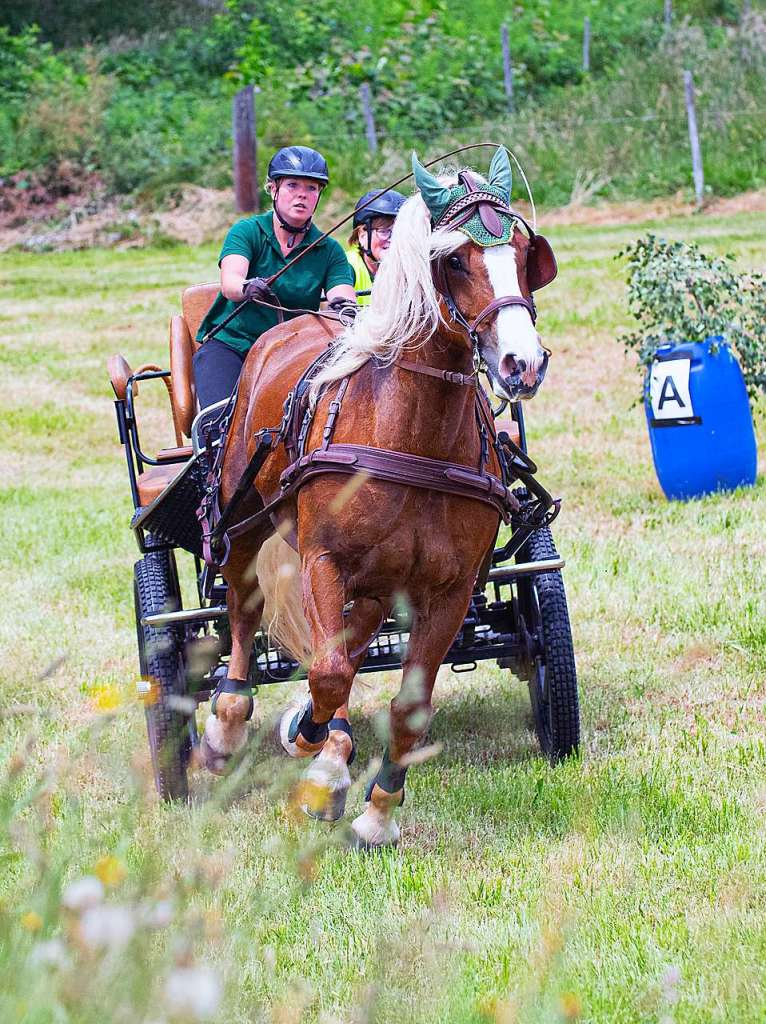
(368, 250)
(293, 232)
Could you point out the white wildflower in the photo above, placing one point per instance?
(52, 953)
(193, 993)
(159, 915)
(108, 928)
(82, 894)
(671, 977)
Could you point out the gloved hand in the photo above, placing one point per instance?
(345, 308)
(258, 288)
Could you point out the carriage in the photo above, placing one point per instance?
(517, 617)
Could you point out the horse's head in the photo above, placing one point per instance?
(486, 282)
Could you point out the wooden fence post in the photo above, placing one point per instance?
(668, 15)
(369, 119)
(586, 44)
(507, 66)
(245, 150)
(694, 139)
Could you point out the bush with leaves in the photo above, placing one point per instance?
(678, 293)
(414, 88)
(152, 112)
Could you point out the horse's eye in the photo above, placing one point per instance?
(455, 263)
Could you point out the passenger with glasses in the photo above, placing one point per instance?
(371, 236)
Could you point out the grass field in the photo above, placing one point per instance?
(628, 885)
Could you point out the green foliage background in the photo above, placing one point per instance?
(149, 108)
(677, 292)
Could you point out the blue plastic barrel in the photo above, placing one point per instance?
(700, 425)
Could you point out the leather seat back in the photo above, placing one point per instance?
(195, 302)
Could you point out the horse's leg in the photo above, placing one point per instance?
(433, 630)
(226, 727)
(339, 647)
(327, 776)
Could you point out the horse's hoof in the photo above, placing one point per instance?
(218, 745)
(360, 845)
(327, 783)
(211, 759)
(286, 746)
(283, 731)
(370, 833)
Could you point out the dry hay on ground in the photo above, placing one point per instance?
(51, 216)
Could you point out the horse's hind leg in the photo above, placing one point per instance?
(226, 727)
(433, 630)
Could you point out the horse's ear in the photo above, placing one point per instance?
(500, 173)
(435, 195)
(541, 264)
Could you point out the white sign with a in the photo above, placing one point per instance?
(669, 390)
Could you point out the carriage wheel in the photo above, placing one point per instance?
(550, 667)
(169, 726)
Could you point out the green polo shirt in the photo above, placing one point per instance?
(323, 268)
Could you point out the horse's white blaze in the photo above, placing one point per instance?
(517, 338)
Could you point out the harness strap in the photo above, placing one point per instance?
(401, 468)
(394, 467)
(431, 371)
(215, 539)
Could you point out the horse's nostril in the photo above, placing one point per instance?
(508, 366)
(522, 365)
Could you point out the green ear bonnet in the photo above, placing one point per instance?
(481, 210)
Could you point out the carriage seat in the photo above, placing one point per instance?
(195, 302)
(154, 479)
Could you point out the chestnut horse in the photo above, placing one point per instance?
(441, 301)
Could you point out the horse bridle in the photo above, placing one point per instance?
(460, 210)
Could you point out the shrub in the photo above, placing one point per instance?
(678, 293)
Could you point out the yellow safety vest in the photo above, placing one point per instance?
(363, 278)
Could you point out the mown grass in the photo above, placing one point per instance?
(626, 885)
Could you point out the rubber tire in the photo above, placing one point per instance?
(156, 589)
(553, 677)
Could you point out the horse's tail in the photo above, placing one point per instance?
(279, 575)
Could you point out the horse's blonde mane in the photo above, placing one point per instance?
(404, 309)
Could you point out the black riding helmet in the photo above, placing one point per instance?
(296, 162)
(388, 204)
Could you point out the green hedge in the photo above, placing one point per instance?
(155, 112)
